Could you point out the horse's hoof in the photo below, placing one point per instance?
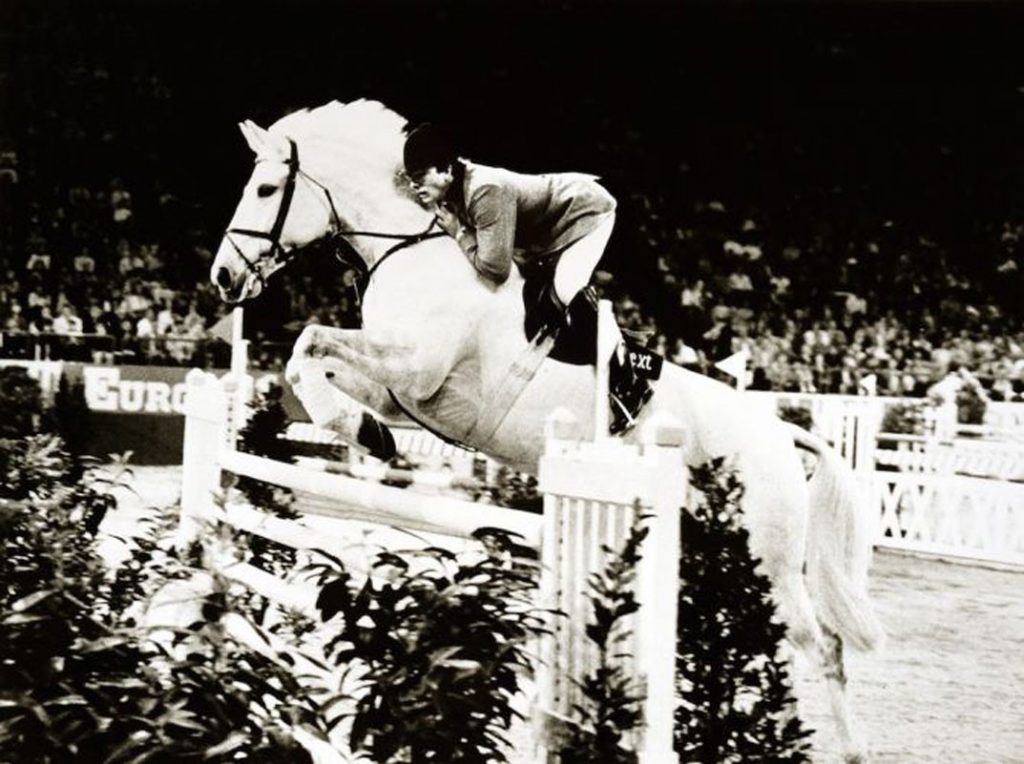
(377, 439)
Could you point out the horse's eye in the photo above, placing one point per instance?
(266, 190)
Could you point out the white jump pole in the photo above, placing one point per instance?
(592, 494)
(205, 426)
(606, 331)
(239, 394)
(658, 589)
(239, 346)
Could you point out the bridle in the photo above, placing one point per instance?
(278, 256)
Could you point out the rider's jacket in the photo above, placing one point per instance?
(505, 215)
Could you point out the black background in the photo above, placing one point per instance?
(911, 111)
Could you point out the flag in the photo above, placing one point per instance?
(735, 365)
(224, 328)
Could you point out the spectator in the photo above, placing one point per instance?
(84, 262)
(38, 259)
(15, 321)
(165, 320)
(67, 321)
(145, 327)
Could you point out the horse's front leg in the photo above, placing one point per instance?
(409, 368)
(341, 399)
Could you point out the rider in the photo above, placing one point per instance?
(555, 222)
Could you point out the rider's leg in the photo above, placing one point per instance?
(577, 262)
(630, 385)
(560, 300)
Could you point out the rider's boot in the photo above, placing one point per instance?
(632, 371)
(546, 316)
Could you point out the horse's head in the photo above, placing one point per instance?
(281, 209)
(336, 167)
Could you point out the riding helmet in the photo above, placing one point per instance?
(427, 146)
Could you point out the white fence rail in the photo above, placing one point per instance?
(962, 456)
(950, 515)
(958, 497)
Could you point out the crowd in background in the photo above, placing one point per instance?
(92, 247)
(824, 315)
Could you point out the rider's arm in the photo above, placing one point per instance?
(492, 212)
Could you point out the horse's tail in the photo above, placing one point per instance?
(839, 548)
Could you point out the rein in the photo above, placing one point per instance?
(279, 257)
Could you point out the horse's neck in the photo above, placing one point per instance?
(432, 282)
(376, 207)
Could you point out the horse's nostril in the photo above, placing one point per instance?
(223, 278)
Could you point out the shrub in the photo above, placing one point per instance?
(69, 418)
(611, 708)
(733, 685)
(261, 436)
(515, 490)
(20, 403)
(443, 639)
(79, 680)
(904, 419)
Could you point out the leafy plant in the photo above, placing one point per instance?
(612, 708)
(261, 436)
(904, 419)
(32, 466)
(734, 689)
(515, 490)
(20, 403)
(443, 639)
(79, 680)
(69, 418)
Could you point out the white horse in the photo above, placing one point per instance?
(441, 340)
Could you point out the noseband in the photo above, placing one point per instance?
(278, 257)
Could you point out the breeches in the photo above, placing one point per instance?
(577, 262)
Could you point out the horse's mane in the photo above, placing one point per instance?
(358, 144)
(368, 126)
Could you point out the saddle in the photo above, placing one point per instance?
(633, 368)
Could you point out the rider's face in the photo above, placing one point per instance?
(431, 185)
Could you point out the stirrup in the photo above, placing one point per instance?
(621, 420)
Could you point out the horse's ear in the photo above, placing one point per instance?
(253, 135)
(263, 142)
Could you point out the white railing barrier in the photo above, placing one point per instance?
(950, 515)
(592, 492)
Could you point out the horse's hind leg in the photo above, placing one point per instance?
(825, 649)
(835, 678)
